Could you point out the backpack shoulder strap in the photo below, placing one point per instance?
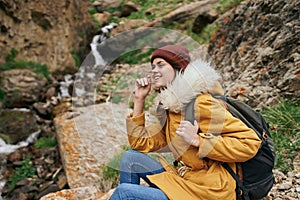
(189, 111)
(240, 189)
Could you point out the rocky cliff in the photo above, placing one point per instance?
(257, 51)
(47, 32)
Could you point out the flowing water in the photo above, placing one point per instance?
(83, 76)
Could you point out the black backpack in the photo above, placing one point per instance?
(258, 177)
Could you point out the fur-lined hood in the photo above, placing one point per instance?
(198, 78)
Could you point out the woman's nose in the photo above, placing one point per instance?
(154, 69)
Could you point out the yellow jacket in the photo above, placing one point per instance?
(223, 138)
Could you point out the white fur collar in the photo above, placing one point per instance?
(198, 78)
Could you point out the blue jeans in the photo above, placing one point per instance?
(135, 165)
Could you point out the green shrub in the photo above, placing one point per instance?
(76, 58)
(284, 120)
(111, 170)
(11, 63)
(45, 142)
(27, 170)
(13, 54)
(40, 69)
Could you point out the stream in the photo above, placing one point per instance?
(83, 76)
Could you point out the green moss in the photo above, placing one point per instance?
(6, 138)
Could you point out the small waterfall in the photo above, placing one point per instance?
(9, 148)
(98, 39)
(87, 73)
(98, 58)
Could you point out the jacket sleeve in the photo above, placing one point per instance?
(142, 138)
(223, 137)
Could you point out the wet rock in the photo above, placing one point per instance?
(17, 125)
(43, 109)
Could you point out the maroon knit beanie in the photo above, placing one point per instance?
(177, 56)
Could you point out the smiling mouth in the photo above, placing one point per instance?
(155, 78)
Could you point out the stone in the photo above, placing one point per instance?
(102, 18)
(204, 19)
(101, 5)
(22, 87)
(128, 8)
(43, 109)
(17, 125)
(285, 186)
(62, 182)
(88, 140)
(185, 12)
(14, 157)
(88, 192)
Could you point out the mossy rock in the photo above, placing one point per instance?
(17, 125)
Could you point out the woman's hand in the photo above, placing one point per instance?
(142, 87)
(141, 90)
(188, 132)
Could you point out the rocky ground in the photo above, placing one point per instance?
(49, 173)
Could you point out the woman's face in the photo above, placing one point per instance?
(162, 73)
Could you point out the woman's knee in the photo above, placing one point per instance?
(118, 193)
(130, 155)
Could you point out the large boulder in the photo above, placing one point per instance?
(47, 32)
(186, 12)
(17, 125)
(22, 87)
(88, 137)
(88, 192)
(256, 50)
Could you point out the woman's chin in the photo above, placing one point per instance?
(158, 86)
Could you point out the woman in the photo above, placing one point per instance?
(214, 137)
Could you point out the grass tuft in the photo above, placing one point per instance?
(45, 142)
(284, 121)
(27, 170)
